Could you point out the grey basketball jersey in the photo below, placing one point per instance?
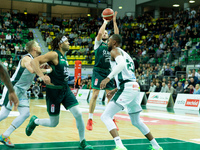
(22, 78)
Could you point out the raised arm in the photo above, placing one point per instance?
(102, 30)
(116, 29)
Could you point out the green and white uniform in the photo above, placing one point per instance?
(21, 80)
(102, 65)
(59, 93)
(128, 93)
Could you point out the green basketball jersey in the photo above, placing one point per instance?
(60, 72)
(102, 55)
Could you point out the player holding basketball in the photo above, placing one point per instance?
(21, 80)
(57, 90)
(125, 95)
(101, 68)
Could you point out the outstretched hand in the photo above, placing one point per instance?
(115, 16)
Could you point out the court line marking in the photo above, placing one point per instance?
(110, 145)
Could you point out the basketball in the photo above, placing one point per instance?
(108, 14)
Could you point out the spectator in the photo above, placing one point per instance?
(79, 41)
(191, 89)
(8, 38)
(175, 82)
(13, 38)
(5, 63)
(12, 48)
(158, 88)
(189, 74)
(2, 36)
(171, 89)
(179, 88)
(182, 79)
(30, 35)
(18, 38)
(168, 71)
(48, 40)
(164, 88)
(197, 89)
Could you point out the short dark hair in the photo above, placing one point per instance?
(117, 38)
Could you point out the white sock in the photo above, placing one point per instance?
(154, 144)
(36, 121)
(90, 115)
(118, 141)
(8, 131)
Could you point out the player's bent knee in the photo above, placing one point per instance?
(104, 118)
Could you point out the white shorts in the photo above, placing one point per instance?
(128, 97)
(21, 94)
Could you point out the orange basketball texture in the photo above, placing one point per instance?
(108, 14)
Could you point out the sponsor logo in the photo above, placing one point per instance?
(154, 96)
(192, 102)
(163, 97)
(157, 102)
(96, 82)
(181, 102)
(80, 94)
(52, 108)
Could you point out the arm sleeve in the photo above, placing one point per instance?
(119, 67)
(97, 43)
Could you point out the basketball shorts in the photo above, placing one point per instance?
(57, 95)
(21, 94)
(128, 97)
(98, 76)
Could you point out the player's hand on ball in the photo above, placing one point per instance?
(104, 82)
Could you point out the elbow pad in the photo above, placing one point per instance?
(119, 67)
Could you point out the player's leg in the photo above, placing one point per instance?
(136, 121)
(53, 99)
(111, 109)
(92, 106)
(70, 102)
(114, 120)
(24, 114)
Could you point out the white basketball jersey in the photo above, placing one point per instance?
(22, 78)
(128, 72)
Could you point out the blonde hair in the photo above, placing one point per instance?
(30, 45)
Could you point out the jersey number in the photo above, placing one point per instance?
(130, 65)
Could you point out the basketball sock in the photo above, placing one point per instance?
(90, 116)
(4, 113)
(118, 141)
(9, 131)
(24, 114)
(51, 122)
(154, 144)
(79, 121)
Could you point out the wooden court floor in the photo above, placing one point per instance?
(173, 129)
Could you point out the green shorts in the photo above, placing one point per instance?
(99, 75)
(56, 95)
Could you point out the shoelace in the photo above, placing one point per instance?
(91, 122)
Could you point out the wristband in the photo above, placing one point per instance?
(40, 79)
(48, 70)
(105, 22)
